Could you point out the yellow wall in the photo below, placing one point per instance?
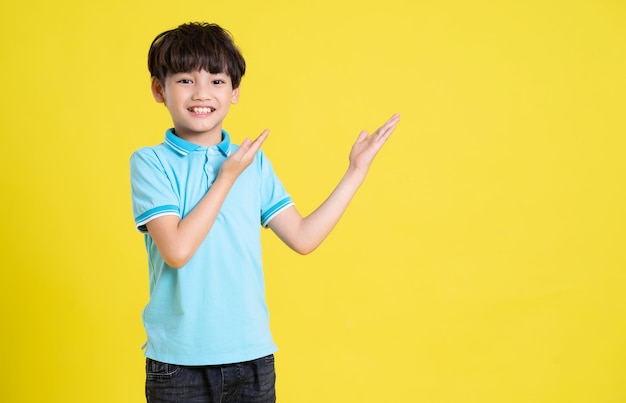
(483, 261)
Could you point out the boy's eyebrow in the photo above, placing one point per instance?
(197, 71)
(223, 74)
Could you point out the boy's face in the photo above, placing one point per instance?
(198, 102)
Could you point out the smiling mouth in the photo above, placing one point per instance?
(202, 110)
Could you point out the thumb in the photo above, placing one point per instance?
(362, 136)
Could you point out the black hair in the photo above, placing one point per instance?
(196, 46)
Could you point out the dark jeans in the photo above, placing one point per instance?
(249, 382)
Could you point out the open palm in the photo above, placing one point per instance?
(367, 145)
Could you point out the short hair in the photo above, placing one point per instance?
(196, 46)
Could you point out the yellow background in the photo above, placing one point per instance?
(482, 261)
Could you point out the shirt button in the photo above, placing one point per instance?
(210, 168)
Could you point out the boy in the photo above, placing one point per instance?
(200, 201)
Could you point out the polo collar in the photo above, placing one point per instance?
(184, 147)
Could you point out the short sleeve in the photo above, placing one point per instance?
(152, 192)
(274, 197)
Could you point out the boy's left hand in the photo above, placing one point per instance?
(367, 145)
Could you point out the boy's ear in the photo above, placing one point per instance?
(157, 90)
(235, 98)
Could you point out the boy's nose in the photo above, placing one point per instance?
(202, 93)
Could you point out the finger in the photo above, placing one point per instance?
(247, 143)
(249, 147)
(384, 135)
(362, 136)
(390, 125)
(262, 136)
(258, 142)
(395, 118)
(392, 122)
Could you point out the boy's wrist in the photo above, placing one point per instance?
(224, 179)
(354, 176)
(357, 171)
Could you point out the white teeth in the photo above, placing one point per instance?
(202, 110)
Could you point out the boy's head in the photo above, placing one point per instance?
(196, 46)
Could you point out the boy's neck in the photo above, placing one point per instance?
(204, 139)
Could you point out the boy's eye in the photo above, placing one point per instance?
(184, 81)
(218, 81)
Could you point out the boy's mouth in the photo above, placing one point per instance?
(203, 110)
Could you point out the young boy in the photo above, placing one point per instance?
(200, 201)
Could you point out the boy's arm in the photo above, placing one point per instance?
(177, 240)
(305, 234)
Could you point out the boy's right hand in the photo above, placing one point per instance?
(243, 157)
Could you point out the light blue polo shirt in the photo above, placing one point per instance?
(213, 309)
